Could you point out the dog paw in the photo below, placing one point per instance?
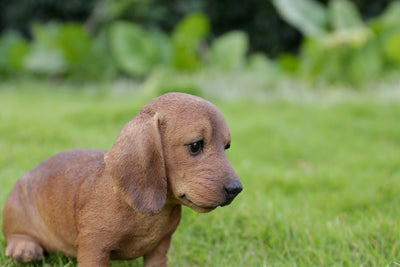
(23, 249)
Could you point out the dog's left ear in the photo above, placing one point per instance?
(136, 163)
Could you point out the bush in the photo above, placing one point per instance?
(228, 52)
(69, 50)
(258, 18)
(13, 50)
(135, 50)
(186, 38)
(65, 50)
(339, 47)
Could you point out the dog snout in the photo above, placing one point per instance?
(231, 191)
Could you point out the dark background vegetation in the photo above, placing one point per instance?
(176, 45)
(259, 19)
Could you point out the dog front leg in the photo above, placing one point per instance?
(90, 254)
(158, 256)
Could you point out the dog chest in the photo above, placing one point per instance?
(145, 232)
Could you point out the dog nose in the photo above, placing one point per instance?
(232, 190)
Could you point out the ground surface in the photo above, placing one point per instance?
(321, 178)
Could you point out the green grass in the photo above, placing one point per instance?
(321, 178)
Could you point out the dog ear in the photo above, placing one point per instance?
(136, 163)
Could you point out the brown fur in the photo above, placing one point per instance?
(126, 202)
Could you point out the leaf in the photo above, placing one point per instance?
(163, 80)
(392, 47)
(74, 42)
(259, 62)
(46, 35)
(13, 50)
(164, 46)
(389, 18)
(86, 58)
(308, 16)
(44, 61)
(228, 52)
(344, 15)
(323, 64)
(191, 30)
(186, 38)
(135, 51)
(354, 37)
(116, 9)
(289, 63)
(100, 64)
(366, 63)
(71, 51)
(46, 57)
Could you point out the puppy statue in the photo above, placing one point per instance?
(125, 203)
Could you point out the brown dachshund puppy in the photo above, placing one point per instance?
(126, 202)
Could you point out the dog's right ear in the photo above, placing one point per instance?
(136, 163)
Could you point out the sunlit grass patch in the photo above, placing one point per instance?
(321, 179)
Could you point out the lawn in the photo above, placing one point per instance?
(321, 176)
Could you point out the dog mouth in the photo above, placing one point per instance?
(186, 200)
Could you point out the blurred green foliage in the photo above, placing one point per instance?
(228, 52)
(164, 62)
(308, 16)
(13, 50)
(339, 46)
(67, 50)
(267, 32)
(186, 37)
(135, 50)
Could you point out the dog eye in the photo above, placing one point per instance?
(228, 146)
(196, 147)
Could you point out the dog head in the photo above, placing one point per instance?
(174, 146)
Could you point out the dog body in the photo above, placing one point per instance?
(51, 210)
(126, 202)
